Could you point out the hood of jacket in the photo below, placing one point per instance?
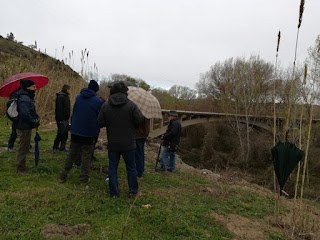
(61, 93)
(87, 93)
(20, 92)
(118, 99)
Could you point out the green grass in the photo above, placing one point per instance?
(180, 206)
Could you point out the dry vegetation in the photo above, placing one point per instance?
(15, 58)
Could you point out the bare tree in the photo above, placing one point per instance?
(183, 93)
(242, 86)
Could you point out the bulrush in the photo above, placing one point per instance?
(278, 42)
(305, 74)
(301, 12)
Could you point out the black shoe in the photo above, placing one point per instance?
(63, 177)
(63, 150)
(22, 170)
(135, 195)
(11, 150)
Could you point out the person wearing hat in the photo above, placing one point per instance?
(121, 117)
(170, 141)
(62, 115)
(27, 120)
(84, 130)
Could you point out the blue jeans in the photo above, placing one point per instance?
(114, 158)
(139, 156)
(165, 155)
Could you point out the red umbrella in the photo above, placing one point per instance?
(12, 83)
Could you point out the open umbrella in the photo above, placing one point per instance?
(285, 157)
(147, 103)
(37, 138)
(12, 83)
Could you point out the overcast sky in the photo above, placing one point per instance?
(163, 42)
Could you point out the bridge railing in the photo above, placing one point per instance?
(187, 118)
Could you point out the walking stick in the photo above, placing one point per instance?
(157, 159)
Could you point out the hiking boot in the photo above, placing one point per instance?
(63, 177)
(22, 170)
(114, 196)
(77, 166)
(55, 150)
(84, 181)
(11, 150)
(63, 150)
(135, 195)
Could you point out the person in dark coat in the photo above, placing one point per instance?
(141, 135)
(170, 141)
(121, 117)
(27, 120)
(13, 135)
(62, 115)
(84, 130)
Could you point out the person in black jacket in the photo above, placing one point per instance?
(13, 135)
(27, 120)
(170, 141)
(121, 117)
(62, 115)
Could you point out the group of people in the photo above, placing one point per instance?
(127, 130)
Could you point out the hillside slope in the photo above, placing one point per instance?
(189, 204)
(15, 58)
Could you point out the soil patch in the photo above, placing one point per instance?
(64, 231)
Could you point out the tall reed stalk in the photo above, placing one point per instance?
(275, 122)
(300, 128)
(301, 9)
(304, 82)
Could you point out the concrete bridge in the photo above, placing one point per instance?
(188, 118)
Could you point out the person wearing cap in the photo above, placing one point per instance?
(170, 141)
(84, 129)
(27, 120)
(62, 115)
(121, 117)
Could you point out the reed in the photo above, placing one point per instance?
(275, 123)
(301, 10)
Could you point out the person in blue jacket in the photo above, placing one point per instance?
(84, 130)
(27, 120)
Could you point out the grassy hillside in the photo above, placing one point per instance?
(15, 58)
(189, 204)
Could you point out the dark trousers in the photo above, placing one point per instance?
(139, 156)
(114, 158)
(13, 135)
(62, 135)
(84, 151)
(24, 144)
